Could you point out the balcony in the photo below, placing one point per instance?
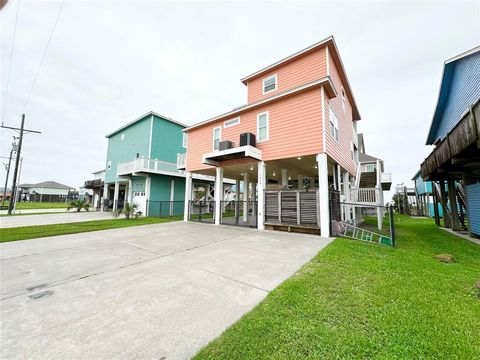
(152, 166)
(386, 181)
(364, 196)
(215, 157)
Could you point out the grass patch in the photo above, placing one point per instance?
(360, 300)
(39, 205)
(38, 231)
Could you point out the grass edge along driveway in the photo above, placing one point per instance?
(360, 300)
(39, 231)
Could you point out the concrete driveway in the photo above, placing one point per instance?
(47, 219)
(150, 292)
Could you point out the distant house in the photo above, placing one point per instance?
(141, 166)
(454, 164)
(47, 191)
(96, 185)
(424, 197)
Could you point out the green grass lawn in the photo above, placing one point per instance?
(359, 300)
(38, 231)
(39, 205)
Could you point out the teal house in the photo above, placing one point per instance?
(141, 166)
(425, 197)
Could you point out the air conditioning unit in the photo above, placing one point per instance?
(224, 145)
(247, 139)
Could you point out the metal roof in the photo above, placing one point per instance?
(143, 117)
(329, 41)
(443, 92)
(47, 184)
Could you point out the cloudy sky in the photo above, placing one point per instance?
(110, 62)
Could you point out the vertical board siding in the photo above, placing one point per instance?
(295, 129)
(300, 71)
(473, 203)
(167, 140)
(340, 151)
(460, 89)
(135, 141)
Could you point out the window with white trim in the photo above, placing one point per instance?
(344, 101)
(217, 134)
(109, 164)
(263, 126)
(333, 124)
(185, 140)
(231, 122)
(269, 84)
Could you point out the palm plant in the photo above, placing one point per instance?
(79, 205)
(130, 209)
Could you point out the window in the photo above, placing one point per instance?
(262, 126)
(109, 164)
(333, 124)
(122, 137)
(217, 134)
(232, 122)
(343, 100)
(270, 84)
(185, 139)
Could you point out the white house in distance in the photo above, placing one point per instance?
(46, 191)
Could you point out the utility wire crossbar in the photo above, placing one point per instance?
(353, 232)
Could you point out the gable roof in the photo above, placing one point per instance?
(143, 117)
(326, 81)
(47, 184)
(444, 91)
(333, 50)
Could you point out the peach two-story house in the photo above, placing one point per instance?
(291, 147)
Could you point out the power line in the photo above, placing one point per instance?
(43, 56)
(10, 63)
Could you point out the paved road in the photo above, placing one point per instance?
(148, 292)
(46, 219)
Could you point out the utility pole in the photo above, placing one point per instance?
(17, 162)
(8, 172)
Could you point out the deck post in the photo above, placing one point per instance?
(237, 200)
(262, 175)
(454, 219)
(284, 177)
(130, 185)
(218, 194)
(188, 196)
(245, 196)
(324, 208)
(105, 195)
(346, 193)
(115, 195)
(446, 214)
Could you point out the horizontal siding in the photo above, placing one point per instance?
(298, 72)
(462, 91)
(340, 151)
(295, 130)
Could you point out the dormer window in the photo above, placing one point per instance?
(269, 84)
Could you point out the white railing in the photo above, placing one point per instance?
(181, 161)
(365, 196)
(147, 165)
(386, 178)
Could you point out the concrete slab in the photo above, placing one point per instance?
(154, 291)
(47, 219)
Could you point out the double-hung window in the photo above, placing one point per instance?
(262, 126)
(333, 124)
(217, 134)
(269, 84)
(344, 101)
